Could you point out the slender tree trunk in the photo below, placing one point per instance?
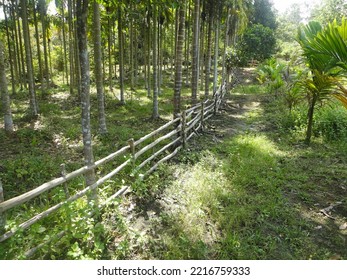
(310, 120)
(195, 58)
(30, 74)
(109, 48)
(98, 68)
(187, 43)
(160, 56)
(121, 55)
(178, 60)
(16, 65)
(77, 67)
(202, 52)
(136, 58)
(38, 46)
(155, 114)
(216, 55)
(145, 57)
(64, 42)
(82, 15)
(11, 55)
(208, 58)
(50, 61)
(226, 44)
(5, 98)
(149, 92)
(21, 57)
(175, 44)
(43, 10)
(131, 49)
(116, 58)
(71, 49)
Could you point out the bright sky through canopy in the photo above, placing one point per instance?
(283, 5)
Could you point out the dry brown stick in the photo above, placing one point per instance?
(144, 138)
(329, 208)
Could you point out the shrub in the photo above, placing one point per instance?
(258, 42)
(331, 123)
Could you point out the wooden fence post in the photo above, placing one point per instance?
(131, 144)
(2, 215)
(202, 115)
(67, 195)
(215, 109)
(183, 129)
(63, 174)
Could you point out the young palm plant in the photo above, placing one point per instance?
(331, 42)
(322, 49)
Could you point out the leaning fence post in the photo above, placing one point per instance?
(202, 115)
(2, 214)
(183, 129)
(131, 144)
(215, 109)
(67, 195)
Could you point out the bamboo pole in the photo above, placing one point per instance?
(18, 200)
(193, 108)
(183, 129)
(194, 132)
(163, 160)
(32, 251)
(197, 117)
(189, 127)
(149, 146)
(207, 111)
(202, 116)
(157, 153)
(208, 117)
(144, 138)
(56, 207)
(208, 106)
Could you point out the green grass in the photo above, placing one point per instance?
(256, 195)
(235, 203)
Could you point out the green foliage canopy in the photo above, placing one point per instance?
(258, 42)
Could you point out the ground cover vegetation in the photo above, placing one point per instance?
(264, 180)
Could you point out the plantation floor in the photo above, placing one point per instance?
(240, 191)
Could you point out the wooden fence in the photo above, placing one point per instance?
(141, 152)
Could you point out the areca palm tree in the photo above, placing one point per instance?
(325, 50)
(330, 46)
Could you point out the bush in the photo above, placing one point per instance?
(331, 123)
(258, 42)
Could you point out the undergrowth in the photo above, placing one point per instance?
(256, 195)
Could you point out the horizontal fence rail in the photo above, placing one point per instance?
(146, 151)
